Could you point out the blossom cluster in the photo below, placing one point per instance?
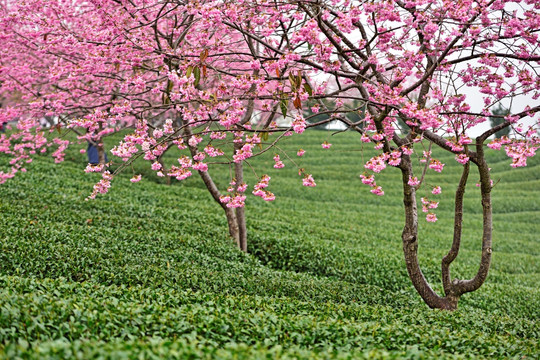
(370, 181)
(235, 197)
(259, 189)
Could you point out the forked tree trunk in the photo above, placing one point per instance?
(453, 288)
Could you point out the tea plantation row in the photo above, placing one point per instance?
(147, 271)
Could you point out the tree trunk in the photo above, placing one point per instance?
(240, 212)
(236, 220)
(101, 153)
(232, 222)
(410, 244)
(232, 217)
(455, 288)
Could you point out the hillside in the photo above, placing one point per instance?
(148, 271)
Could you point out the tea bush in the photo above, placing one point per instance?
(148, 271)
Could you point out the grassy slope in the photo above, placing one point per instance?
(147, 269)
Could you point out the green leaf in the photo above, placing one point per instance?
(292, 81)
(284, 105)
(298, 79)
(197, 73)
(308, 89)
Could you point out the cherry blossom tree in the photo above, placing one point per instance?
(106, 66)
(211, 68)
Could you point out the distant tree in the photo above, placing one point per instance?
(498, 118)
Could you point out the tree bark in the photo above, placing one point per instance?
(410, 243)
(465, 286)
(234, 223)
(449, 289)
(453, 288)
(101, 153)
(240, 212)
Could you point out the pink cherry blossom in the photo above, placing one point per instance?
(103, 186)
(268, 196)
(308, 181)
(215, 75)
(242, 187)
(200, 166)
(368, 180)
(395, 158)
(436, 165)
(236, 201)
(136, 178)
(413, 181)
(377, 163)
(462, 158)
(377, 190)
(278, 163)
(299, 124)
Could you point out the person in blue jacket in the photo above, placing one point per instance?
(92, 152)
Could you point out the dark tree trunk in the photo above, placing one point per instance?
(453, 288)
(410, 243)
